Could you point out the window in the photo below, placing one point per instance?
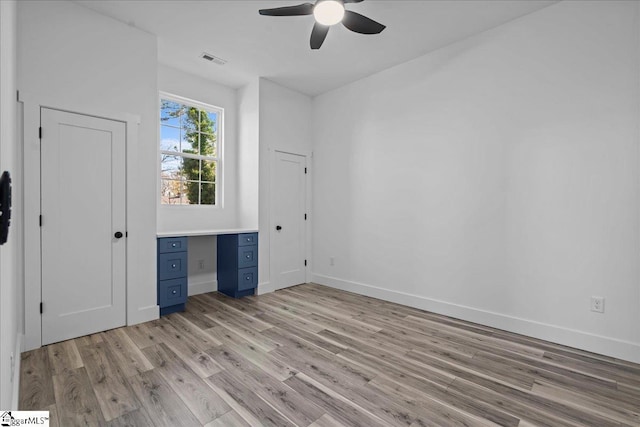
(190, 147)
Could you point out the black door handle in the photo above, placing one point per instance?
(118, 235)
(278, 228)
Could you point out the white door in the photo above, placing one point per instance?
(289, 228)
(83, 214)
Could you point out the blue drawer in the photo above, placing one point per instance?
(172, 244)
(247, 239)
(171, 292)
(247, 278)
(247, 256)
(172, 265)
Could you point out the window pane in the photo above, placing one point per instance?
(171, 192)
(171, 167)
(190, 142)
(190, 120)
(207, 193)
(213, 118)
(208, 145)
(191, 169)
(169, 138)
(170, 113)
(192, 193)
(208, 171)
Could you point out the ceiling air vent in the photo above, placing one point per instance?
(212, 58)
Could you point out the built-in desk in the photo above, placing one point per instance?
(237, 267)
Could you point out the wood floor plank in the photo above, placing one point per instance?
(240, 316)
(75, 399)
(160, 401)
(339, 407)
(585, 401)
(183, 342)
(286, 400)
(36, 382)
(230, 419)
(112, 391)
(313, 361)
(64, 356)
(130, 358)
(137, 418)
(316, 339)
(317, 356)
(195, 334)
(247, 333)
(205, 404)
(203, 364)
(143, 335)
(53, 416)
(250, 401)
(288, 315)
(258, 357)
(437, 400)
(327, 421)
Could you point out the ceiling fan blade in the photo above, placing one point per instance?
(301, 9)
(352, 1)
(318, 34)
(361, 24)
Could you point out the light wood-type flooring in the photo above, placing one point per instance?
(315, 356)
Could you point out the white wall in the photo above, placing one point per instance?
(75, 57)
(11, 311)
(189, 218)
(248, 155)
(284, 124)
(495, 180)
(202, 264)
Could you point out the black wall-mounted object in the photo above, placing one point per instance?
(5, 206)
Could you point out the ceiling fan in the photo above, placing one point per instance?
(326, 14)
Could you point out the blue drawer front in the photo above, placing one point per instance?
(247, 278)
(171, 292)
(172, 265)
(247, 256)
(247, 239)
(172, 244)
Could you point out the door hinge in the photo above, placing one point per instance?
(40, 132)
(305, 171)
(40, 220)
(305, 262)
(126, 234)
(305, 217)
(40, 308)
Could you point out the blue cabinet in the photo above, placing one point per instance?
(172, 274)
(238, 264)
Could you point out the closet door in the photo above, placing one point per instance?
(83, 228)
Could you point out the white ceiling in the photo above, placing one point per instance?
(278, 47)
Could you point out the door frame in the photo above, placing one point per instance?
(32, 106)
(308, 156)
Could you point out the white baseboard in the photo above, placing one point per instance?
(265, 288)
(202, 288)
(144, 314)
(625, 350)
(16, 372)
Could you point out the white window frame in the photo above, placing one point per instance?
(219, 159)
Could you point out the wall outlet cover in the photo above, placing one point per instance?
(597, 304)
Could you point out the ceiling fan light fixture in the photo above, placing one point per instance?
(328, 12)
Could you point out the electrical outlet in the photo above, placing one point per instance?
(200, 264)
(597, 304)
(332, 261)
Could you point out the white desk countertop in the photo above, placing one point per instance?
(205, 232)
